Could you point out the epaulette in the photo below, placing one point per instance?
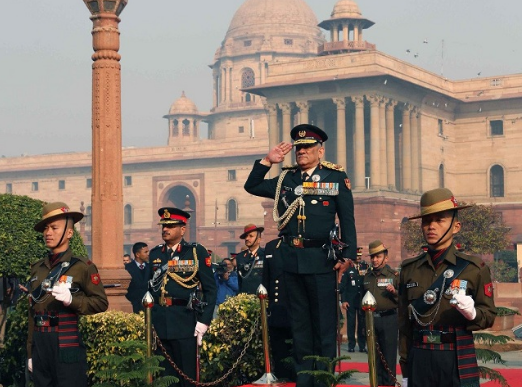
(411, 260)
(477, 261)
(289, 167)
(329, 165)
(157, 247)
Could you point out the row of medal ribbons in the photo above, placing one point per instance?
(181, 265)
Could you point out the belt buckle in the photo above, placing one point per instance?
(42, 322)
(297, 242)
(432, 338)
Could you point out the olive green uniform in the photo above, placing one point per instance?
(417, 275)
(59, 360)
(385, 319)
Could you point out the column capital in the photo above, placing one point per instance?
(340, 102)
(285, 107)
(391, 104)
(373, 99)
(303, 105)
(406, 107)
(357, 99)
(272, 108)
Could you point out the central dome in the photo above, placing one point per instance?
(269, 18)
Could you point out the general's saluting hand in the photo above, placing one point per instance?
(277, 154)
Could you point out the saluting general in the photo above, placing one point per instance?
(307, 198)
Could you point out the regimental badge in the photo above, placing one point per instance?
(316, 178)
(489, 289)
(430, 297)
(448, 273)
(302, 133)
(166, 214)
(453, 199)
(298, 191)
(348, 184)
(95, 278)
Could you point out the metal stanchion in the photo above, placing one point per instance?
(148, 302)
(268, 379)
(368, 304)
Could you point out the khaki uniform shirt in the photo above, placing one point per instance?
(86, 288)
(376, 282)
(418, 274)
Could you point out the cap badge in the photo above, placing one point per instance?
(453, 199)
(302, 133)
(64, 209)
(166, 214)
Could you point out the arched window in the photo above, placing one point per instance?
(247, 97)
(232, 210)
(127, 215)
(186, 127)
(441, 176)
(247, 78)
(497, 181)
(175, 128)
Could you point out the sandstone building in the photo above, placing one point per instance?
(396, 128)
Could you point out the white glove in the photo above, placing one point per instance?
(62, 293)
(199, 331)
(30, 365)
(466, 306)
(405, 382)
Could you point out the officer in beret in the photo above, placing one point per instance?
(184, 290)
(307, 198)
(280, 332)
(351, 289)
(382, 282)
(445, 294)
(62, 287)
(250, 261)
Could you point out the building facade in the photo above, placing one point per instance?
(396, 128)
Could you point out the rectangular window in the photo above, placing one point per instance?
(440, 127)
(247, 43)
(34, 186)
(9, 188)
(88, 183)
(231, 175)
(61, 184)
(127, 181)
(287, 42)
(241, 129)
(495, 82)
(496, 128)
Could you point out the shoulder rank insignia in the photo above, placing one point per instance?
(329, 165)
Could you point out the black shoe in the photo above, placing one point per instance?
(351, 349)
(363, 350)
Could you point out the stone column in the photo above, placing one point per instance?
(273, 126)
(346, 32)
(286, 128)
(304, 107)
(356, 32)
(359, 144)
(406, 156)
(214, 88)
(391, 146)
(414, 146)
(383, 144)
(341, 132)
(335, 33)
(223, 84)
(230, 84)
(374, 141)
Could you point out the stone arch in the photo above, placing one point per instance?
(497, 181)
(183, 197)
(248, 77)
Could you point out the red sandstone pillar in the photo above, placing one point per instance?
(107, 194)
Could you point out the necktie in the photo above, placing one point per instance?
(170, 252)
(305, 176)
(142, 266)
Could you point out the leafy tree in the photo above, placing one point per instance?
(20, 244)
(482, 231)
(502, 272)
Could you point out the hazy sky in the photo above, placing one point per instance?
(167, 45)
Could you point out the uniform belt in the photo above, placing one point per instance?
(384, 313)
(302, 243)
(44, 320)
(171, 301)
(434, 337)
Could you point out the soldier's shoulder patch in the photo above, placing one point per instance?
(289, 167)
(348, 184)
(489, 289)
(329, 165)
(95, 278)
(208, 261)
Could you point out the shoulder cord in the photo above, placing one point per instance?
(287, 215)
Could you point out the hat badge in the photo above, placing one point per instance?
(166, 214)
(302, 133)
(453, 199)
(64, 209)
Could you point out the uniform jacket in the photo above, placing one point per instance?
(248, 279)
(376, 282)
(417, 274)
(177, 322)
(139, 284)
(86, 288)
(351, 286)
(320, 212)
(273, 282)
